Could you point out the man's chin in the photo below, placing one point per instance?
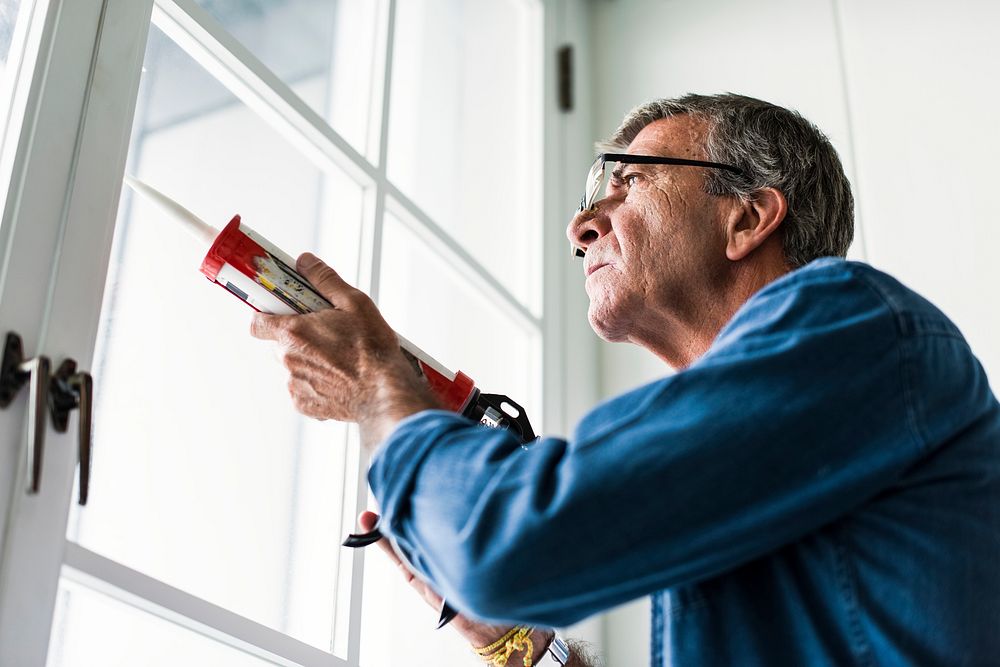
(606, 325)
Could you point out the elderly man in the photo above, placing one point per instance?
(817, 484)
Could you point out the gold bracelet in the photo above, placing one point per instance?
(484, 650)
(517, 639)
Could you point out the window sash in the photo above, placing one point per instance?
(117, 47)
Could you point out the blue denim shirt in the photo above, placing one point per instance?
(821, 488)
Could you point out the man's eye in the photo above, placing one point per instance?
(630, 180)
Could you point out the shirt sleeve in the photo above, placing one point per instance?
(798, 414)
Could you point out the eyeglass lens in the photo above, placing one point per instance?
(594, 180)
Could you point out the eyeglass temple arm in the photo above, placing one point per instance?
(655, 159)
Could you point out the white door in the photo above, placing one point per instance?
(353, 129)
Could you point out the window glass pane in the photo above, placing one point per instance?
(323, 48)
(427, 301)
(204, 475)
(13, 29)
(464, 130)
(93, 629)
(398, 625)
(8, 18)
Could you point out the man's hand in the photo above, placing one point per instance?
(345, 362)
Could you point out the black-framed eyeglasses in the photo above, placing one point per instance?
(595, 178)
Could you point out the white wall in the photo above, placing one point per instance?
(907, 92)
(924, 84)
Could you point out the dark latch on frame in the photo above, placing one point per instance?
(61, 392)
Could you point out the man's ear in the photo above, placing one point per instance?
(754, 222)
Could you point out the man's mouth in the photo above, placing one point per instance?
(595, 267)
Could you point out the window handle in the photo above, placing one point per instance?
(70, 391)
(15, 371)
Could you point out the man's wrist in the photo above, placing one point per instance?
(397, 397)
(541, 638)
(554, 652)
(547, 648)
(376, 428)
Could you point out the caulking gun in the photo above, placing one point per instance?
(258, 273)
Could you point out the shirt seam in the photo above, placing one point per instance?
(910, 398)
(905, 368)
(657, 638)
(846, 578)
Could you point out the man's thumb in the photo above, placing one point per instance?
(320, 276)
(307, 261)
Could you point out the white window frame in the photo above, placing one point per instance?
(57, 227)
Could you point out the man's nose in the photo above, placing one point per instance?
(587, 226)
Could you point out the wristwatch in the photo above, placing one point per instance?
(557, 653)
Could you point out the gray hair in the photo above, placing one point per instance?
(774, 147)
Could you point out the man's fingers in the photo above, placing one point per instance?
(265, 326)
(366, 521)
(327, 281)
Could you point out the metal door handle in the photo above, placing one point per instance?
(39, 368)
(85, 384)
(62, 392)
(72, 390)
(14, 372)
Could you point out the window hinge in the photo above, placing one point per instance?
(564, 65)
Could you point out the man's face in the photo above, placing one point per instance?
(656, 242)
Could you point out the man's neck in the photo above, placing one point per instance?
(682, 338)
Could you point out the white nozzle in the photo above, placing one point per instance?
(196, 226)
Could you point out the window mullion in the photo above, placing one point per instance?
(382, 183)
(369, 281)
(571, 388)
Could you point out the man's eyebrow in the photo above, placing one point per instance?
(620, 168)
